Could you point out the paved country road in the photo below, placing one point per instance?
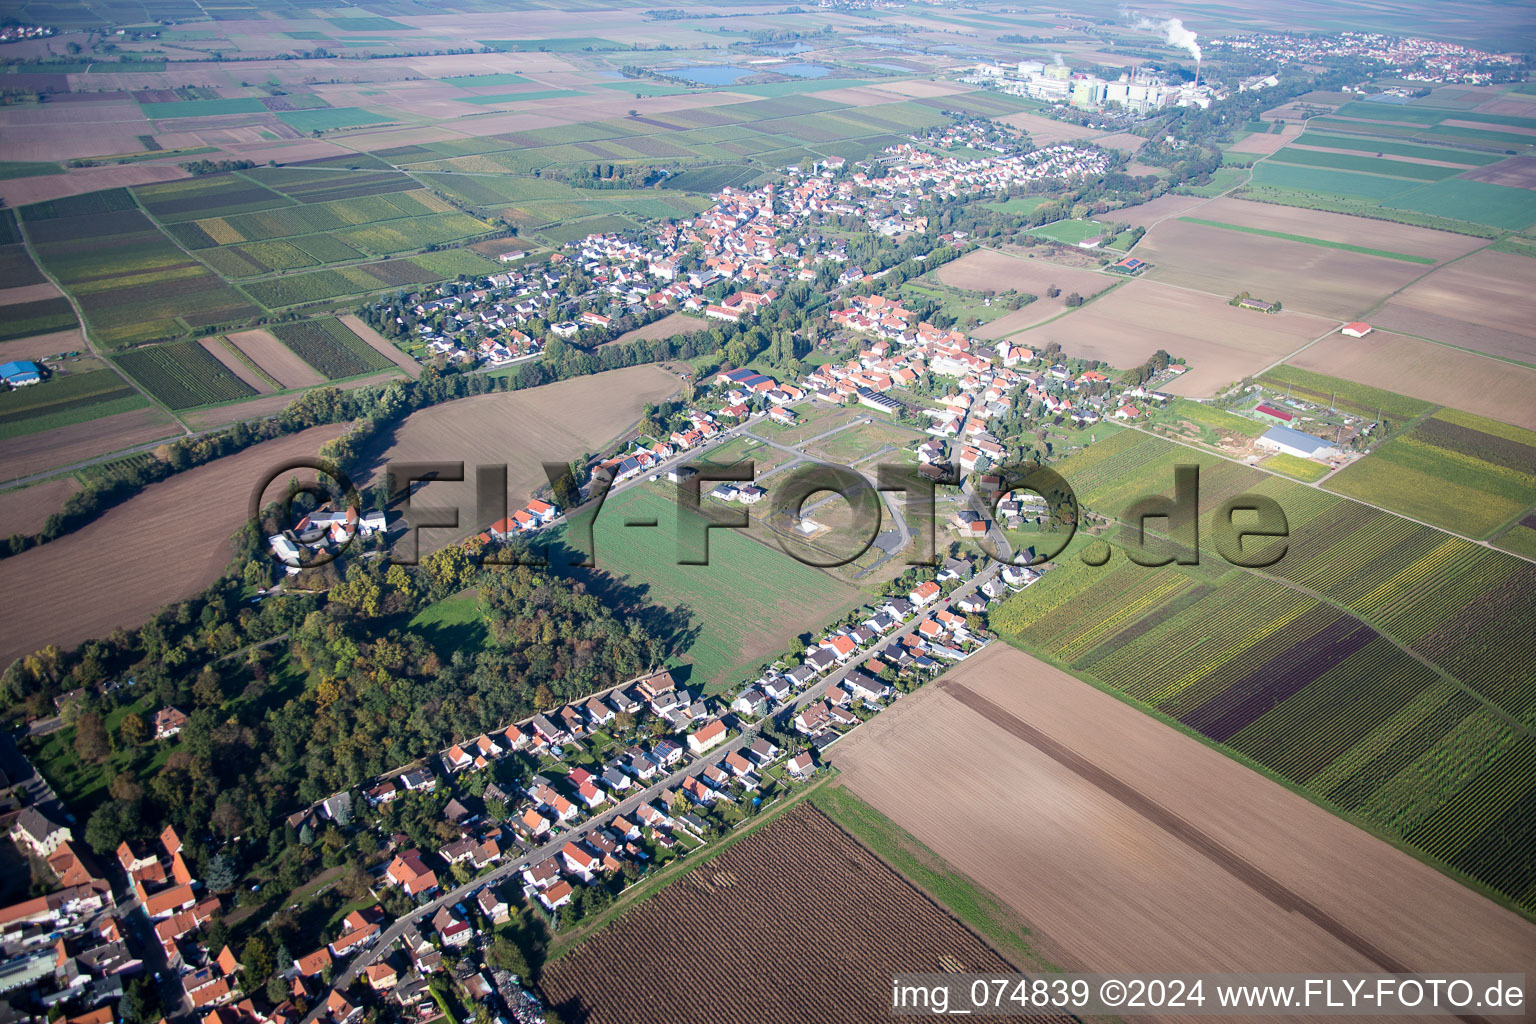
(629, 804)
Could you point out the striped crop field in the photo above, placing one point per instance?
(1382, 666)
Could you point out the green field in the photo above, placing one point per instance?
(1212, 424)
(1480, 202)
(64, 400)
(452, 624)
(571, 44)
(1327, 693)
(1387, 254)
(201, 108)
(747, 605)
(1070, 232)
(23, 319)
(1296, 468)
(475, 81)
(133, 285)
(640, 87)
(1018, 204)
(329, 118)
(27, 169)
(1328, 181)
(330, 348)
(519, 97)
(1384, 147)
(1362, 163)
(1462, 472)
(1223, 179)
(183, 374)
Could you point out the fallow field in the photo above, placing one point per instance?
(987, 269)
(520, 430)
(140, 555)
(835, 921)
(1193, 861)
(1484, 302)
(1320, 279)
(1435, 373)
(1220, 342)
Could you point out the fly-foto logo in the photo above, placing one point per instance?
(1249, 530)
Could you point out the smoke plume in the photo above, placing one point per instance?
(1174, 32)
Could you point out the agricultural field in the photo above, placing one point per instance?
(1483, 302)
(275, 359)
(866, 922)
(172, 556)
(328, 346)
(1194, 421)
(184, 374)
(1220, 343)
(65, 446)
(1462, 472)
(990, 270)
(133, 284)
(23, 510)
(1433, 374)
(1231, 872)
(1398, 592)
(747, 605)
(521, 429)
(1344, 395)
(1384, 253)
(66, 399)
(1296, 468)
(1310, 260)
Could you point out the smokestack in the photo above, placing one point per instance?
(1197, 72)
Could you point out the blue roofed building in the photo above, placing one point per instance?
(1294, 442)
(20, 372)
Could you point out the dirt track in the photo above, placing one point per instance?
(1134, 847)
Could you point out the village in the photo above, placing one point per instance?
(560, 811)
(732, 261)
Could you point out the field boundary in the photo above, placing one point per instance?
(1308, 240)
(1349, 816)
(913, 847)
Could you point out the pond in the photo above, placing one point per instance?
(730, 74)
(713, 74)
(800, 70)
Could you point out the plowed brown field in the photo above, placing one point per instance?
(1435, 373)
(1221, 343)
(163, 545)
(1136, 847)
(520, 430)
(795, 923)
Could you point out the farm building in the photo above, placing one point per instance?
(1294, 442)
(1270, 414)
(1358, 329)
(20, 372)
